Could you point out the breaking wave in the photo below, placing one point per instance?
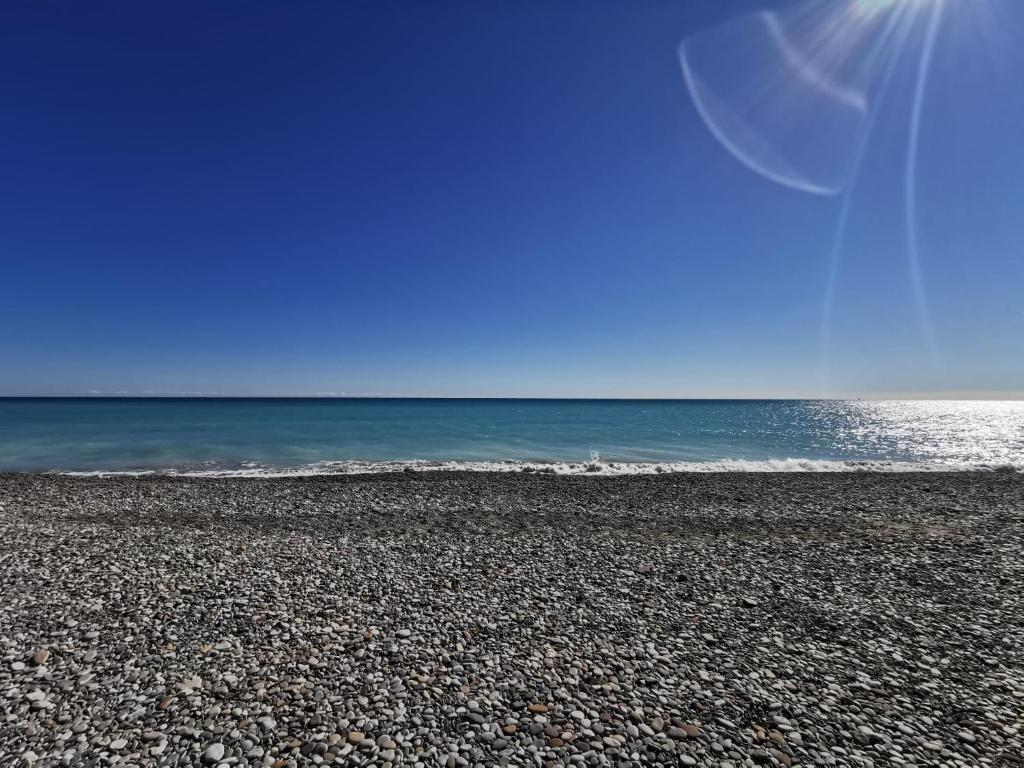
(593, 467)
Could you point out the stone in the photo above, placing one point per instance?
(214, 753)
(529, 641)
(191, 683)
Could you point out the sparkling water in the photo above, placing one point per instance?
(283, 436)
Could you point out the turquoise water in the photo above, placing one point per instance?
(342, 435)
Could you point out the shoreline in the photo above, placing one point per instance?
(551, 467)
(473, 618)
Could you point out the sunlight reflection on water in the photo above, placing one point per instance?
(328, 435)
(983, 432)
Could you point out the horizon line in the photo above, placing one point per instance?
(980, 396)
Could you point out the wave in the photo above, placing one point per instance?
(593, 467)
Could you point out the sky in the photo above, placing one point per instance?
(490, 199)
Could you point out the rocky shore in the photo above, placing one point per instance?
(454, 619)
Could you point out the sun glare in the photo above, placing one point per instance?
(799, 107)
(874, 7)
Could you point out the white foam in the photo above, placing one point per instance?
(593, 467)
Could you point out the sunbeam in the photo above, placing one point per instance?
(898, 27)
(799, 76)
(910, 199)
(806, 70)
(800, 108)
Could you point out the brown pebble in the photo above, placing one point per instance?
(538, 709)
(40, 657)
(509, 729)
(555, 742)
(355, 737)
(692, 731)
(165, 702)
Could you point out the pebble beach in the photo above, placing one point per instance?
(479, 619)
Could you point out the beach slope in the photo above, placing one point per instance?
(478, 619)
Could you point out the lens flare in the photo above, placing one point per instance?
(910, 195)
(793, 96)
(799, 74)
(743, 114)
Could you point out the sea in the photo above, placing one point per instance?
(301, 436)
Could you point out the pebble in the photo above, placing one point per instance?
(469, 619)
(214, 753)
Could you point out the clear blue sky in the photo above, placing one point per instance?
(477, 198)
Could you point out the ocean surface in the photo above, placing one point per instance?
(301, 436)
